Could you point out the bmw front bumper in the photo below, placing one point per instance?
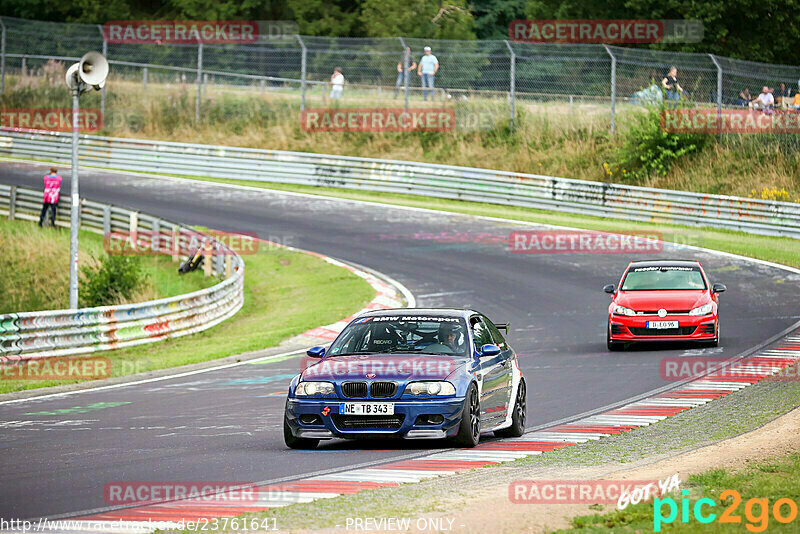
(411, 419)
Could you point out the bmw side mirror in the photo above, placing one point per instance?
(718, 288)
(316, 352)
(489, 350)
(609, 288)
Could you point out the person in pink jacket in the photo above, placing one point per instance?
(52, 190)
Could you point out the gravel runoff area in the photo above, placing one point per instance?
(477, 500)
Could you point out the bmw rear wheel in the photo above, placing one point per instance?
(469, 431)
(517, 427)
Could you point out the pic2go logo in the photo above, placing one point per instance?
(756, 521)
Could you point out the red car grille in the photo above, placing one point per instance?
(680, 331)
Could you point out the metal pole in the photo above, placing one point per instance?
(144, 78)
(613, 87)
(75, 206)
(303, 55)
(103, 90)
(3, 58)
(513, 84)
(406, 74)
(719, 94)
(199, 82)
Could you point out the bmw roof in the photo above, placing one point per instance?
(440, 312)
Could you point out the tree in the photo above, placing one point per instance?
(417, 18)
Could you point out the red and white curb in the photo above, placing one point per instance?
(745, 372)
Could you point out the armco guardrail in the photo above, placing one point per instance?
(498, 187)
(66, 332)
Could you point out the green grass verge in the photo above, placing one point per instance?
(767, 482)
(285, 292)
(35, 267)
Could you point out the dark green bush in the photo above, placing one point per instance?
(648, 150)
(114, 279)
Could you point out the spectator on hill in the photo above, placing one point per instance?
(337, 83)
(764, 101)
(744, 97)
(671, 85)
(52, 190)
(428, 67)
(401, 77)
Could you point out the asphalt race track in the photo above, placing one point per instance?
(59, 453)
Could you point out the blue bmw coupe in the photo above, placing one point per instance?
(409, 373)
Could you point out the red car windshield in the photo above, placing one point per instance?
(663, 277)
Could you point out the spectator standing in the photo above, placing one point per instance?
(337, 83)
(782, 95)
(52, 190)
(670, 83)
(401, 76)
(428, 67)
(764, 101)
(796, 102)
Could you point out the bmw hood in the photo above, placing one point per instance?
(399, 367)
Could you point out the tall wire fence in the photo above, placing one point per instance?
(507, 72)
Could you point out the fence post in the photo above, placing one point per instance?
(103, 90)
(513, 87)
(24, 66)
(3, 57)
(12, 207)
(303, 55)
(613, 87)
(144, 78)
(155, 237)
(719, 94)
(106, 219)
(199, 82)
(406, 74)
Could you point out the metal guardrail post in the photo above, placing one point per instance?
(613, 87)
(103, 90)
(512, 88)
(144, 78)
(303, 56)
(3, 57)
(12, 208)
(719, 94)
(199, 82)
(106, 220)
(155, 236)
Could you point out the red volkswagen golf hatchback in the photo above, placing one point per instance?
(663, 300)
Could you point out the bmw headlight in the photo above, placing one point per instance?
(705, 309)
(622, 310)
(431, 388)
(314, 389)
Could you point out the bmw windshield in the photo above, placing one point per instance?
(402, 334)
(663, 277)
